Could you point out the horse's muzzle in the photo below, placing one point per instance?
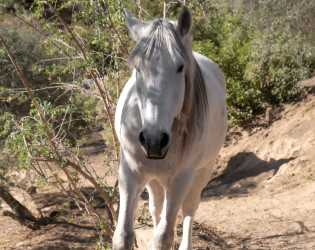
(154, 146)
(155, 156)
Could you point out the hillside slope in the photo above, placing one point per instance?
(264, 190)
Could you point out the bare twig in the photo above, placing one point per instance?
(22, 90)
(56, 178)
(62, 123)
(164, 9)
(140, 9)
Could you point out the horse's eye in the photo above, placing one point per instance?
(138, 70)
(180, 68)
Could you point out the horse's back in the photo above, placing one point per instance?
(210, 69)
(216, 123)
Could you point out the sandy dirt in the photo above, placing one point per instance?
(262, 195)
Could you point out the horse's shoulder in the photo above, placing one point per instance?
(124, 98)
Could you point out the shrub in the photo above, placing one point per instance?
(262, 63)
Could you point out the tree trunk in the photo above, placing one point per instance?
(21, 213)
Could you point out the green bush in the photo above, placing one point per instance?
(27, 47)
(262, 63)
(43, 72)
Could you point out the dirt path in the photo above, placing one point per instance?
(262, 217)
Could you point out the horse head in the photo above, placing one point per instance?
(161, 59)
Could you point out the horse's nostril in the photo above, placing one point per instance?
(142, 139)
(164, 140)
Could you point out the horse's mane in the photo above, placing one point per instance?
(195, 106)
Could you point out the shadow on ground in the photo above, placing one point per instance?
(206, 238)
(69, 227)
(246, 169)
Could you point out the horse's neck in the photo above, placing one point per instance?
(195, 107)
(184, 125)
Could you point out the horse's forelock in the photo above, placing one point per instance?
(161, 33)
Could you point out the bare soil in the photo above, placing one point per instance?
(262, 195)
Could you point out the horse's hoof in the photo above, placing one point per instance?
(123, 241)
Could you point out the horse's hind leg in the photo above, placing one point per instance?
(190, 206)
(156, 199)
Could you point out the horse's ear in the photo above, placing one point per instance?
(184, 21)
(135, 26)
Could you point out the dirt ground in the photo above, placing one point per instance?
(262, 195)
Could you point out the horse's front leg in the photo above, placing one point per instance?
(130, 187)
(174, 196)
(190, 205)
(156, 199)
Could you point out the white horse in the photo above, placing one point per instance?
(171, 121)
